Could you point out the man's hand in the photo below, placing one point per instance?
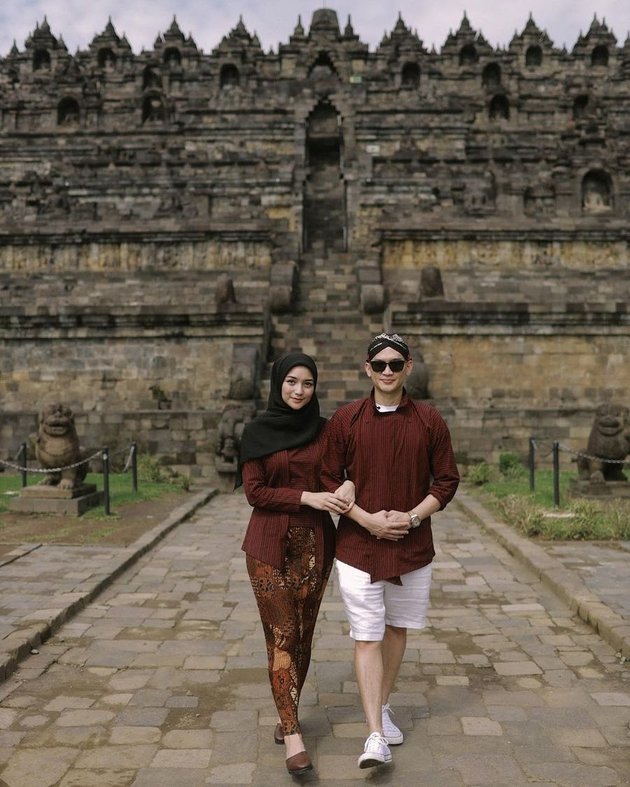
(381, 525)
(399, 516)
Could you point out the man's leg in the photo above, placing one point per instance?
(368, 666)
(394, 645)
(364, 604)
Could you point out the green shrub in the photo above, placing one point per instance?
(594, 519)
(150, 470)
(510, 465)
(479, 474)
(523, 514)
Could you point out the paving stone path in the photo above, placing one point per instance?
(160, 681)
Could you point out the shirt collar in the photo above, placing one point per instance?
(404, 402)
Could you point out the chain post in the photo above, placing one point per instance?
(134, 467)
(106, 500)
(532, 464)
(22, 463)
(556, 474)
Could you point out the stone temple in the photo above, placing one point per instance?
(170, 221)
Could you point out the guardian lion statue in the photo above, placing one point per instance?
(609, 439)
(229, 433)
(57, 445)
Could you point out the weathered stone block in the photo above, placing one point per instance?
(372, 298)
(244, 372)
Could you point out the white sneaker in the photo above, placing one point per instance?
(375, 752)
(391, 733)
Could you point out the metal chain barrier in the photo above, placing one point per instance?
(129, 451)
(536, 448)
(50, 469)
(578, 454)
(104, 454)
(594, 458)
(132, 449)
(556, 448)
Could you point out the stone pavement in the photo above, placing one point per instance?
(160, 679)
(43, 585)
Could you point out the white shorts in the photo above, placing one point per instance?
(370, 606)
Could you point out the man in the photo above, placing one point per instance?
(398, 453)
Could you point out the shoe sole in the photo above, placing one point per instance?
(300, 771)
(395, 741)
(372, 762)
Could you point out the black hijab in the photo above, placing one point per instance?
(280, 427)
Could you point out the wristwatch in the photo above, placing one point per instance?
(415, 520)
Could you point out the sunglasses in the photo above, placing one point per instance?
(395, 366)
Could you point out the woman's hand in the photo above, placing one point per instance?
(346, 492)
(325, 501)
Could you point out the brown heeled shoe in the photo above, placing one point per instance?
(278, 734)
(298, 764)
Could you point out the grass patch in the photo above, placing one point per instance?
(151, 486)
(505, 490)
(133, 513)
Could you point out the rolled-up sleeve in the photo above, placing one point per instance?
(444, 470)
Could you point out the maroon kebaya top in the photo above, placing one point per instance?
(395, 460)
(273, 485)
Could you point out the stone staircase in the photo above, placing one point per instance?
(328, 324)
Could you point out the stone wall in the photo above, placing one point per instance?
(483, 434)
(157, 376)
(507, 251)
(153, 253)
(168, 213)
(115, 371)
(503, 372)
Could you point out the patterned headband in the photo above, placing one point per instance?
(392, 340)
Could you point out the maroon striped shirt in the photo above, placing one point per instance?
(395, 460)
(273, 486)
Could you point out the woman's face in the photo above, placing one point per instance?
(298, 387)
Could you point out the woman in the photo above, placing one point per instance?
(290, 540)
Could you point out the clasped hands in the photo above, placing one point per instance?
(391, 525)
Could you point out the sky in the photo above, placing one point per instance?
(78, 21)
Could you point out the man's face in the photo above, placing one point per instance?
(388, 381)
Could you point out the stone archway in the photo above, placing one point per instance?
(324, 187)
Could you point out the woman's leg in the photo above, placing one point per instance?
(310, 598)
(288, 602)
(274, 596)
